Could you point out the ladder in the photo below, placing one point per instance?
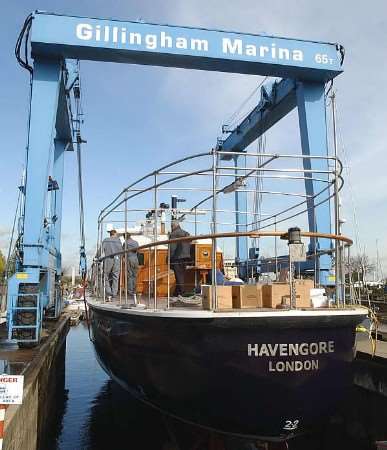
(25, 320)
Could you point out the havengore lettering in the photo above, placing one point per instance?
(294, 349)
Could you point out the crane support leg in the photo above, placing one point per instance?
(312, 121)
(44, 105)
(55, 229)
(58, 169)
(35, 288)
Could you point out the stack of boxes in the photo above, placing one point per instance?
(255, 296)
(277, 294)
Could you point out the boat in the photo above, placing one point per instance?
(267, 370)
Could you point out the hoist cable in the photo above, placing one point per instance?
(234, 117)
(79, 141)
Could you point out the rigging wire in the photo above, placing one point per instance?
(235, 116)
(347, 167)
(79, 141)
(257, 197)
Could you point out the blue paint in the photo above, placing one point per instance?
(312, 120)
(45, 92)
(273, 106)
(55, 38)
(162, 45)
(41, 265)
(59, 153)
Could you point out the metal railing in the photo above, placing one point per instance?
(152, 299)
(143, 196)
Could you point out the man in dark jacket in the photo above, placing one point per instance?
(131, 265)
(179, 256)
(111, 264)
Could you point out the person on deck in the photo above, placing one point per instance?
(179, 256)
(131, 266)
(111, 264)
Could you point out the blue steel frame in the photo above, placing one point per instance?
(50, 135)
(307, 66)
(283, 97)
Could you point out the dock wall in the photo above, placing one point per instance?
(27, 425)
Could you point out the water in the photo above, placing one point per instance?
(97, 413)
(92, 413)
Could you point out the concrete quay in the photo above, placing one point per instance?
(26, 425)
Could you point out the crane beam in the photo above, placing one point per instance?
(273, 106)
(176, 46)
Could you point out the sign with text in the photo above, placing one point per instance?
(175, 46)
(11, 389)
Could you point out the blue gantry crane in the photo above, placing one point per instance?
(276, 102)
(58, 42)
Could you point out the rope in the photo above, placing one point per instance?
(372, 329)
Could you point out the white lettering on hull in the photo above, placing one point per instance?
(294, 349)
(303, 349)
(293, 366)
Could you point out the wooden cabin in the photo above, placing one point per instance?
(197, 273)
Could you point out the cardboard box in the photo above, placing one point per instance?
(247, 296)
(223, 293)
(303, 288)
(272, 294)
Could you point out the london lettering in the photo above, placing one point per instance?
(296, 349)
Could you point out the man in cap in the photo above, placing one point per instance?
(112, 262)
(131, 266)
(179, 256)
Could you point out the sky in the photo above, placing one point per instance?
(140, 117)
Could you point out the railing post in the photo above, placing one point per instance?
(338, 255)
(293, 302)
(213, 254)
(103, 282)
(196, 233)
(351, 293)
(102, 263)
(149, 275)
(155, 236)
(126, 249)
(168, 276)
(275, 249)
(120, 280)
(342, 271)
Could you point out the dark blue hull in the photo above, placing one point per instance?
(268, 378)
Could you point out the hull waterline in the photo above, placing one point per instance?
(261, 377)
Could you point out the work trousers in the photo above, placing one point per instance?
(179, 268)
(111, 271)
(132, 269)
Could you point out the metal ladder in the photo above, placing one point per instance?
(25, 320)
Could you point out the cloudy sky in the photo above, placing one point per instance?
(137, 118)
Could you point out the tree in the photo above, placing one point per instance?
(2, 265)
(360, 266)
